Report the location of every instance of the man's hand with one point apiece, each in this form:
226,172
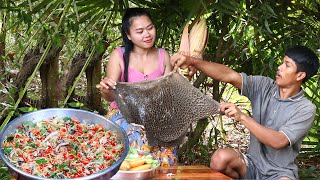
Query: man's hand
232,111
180,61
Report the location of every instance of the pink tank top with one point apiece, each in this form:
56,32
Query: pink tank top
137,76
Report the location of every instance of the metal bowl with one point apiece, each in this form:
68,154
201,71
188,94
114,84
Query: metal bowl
135,175
81,115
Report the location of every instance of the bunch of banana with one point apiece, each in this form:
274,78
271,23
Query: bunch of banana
193,43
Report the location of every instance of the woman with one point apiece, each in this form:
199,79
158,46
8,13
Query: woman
137,61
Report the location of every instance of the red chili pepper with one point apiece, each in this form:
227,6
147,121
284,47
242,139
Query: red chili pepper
84,161
79,129
107,157
94,128
113,143
71,156
63,130
28,171
48,151
65,155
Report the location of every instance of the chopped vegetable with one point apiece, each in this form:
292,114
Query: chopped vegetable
137,162
137,159
140,168
125,165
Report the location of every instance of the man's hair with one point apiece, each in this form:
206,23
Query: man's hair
305,59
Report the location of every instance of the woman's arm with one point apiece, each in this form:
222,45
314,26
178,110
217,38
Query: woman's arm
113,75
167,65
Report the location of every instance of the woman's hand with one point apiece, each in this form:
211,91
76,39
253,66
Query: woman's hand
108,83
105,87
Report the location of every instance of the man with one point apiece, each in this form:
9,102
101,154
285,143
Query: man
282,116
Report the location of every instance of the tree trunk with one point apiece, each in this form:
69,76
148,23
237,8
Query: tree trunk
93,74
2,49
193,137
75,69
49,74
30,61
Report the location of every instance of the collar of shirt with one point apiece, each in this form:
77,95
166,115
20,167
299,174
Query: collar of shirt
293,98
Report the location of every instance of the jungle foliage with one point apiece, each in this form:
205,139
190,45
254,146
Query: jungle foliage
54,52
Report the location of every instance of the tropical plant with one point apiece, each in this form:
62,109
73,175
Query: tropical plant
53,52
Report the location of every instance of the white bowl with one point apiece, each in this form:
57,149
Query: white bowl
137,175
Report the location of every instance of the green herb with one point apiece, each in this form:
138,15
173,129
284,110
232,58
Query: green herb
17,144
74,152
43,131
53,175
66,119
112,161
28,124
62,166
74,146
7,150
10,138
32,144
20,131
41,161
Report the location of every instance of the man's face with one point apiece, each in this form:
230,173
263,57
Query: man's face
287,74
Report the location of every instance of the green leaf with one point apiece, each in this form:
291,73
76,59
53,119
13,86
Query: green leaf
62,166
10,138
32,144
41,161
270,10
7,150
28,124
74,146
27,109
76,104
266,24
40,6
66,119
56,41
43,131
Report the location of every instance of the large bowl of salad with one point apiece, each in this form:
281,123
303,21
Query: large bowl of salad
63,143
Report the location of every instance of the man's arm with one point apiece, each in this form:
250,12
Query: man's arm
220,72
216,71
267,136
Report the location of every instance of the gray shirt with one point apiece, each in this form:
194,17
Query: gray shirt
293,116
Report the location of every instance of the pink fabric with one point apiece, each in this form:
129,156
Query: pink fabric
137,76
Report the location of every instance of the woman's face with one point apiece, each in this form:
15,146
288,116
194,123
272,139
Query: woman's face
142,32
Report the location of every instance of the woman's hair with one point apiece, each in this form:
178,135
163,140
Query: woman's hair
305,59
126,23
